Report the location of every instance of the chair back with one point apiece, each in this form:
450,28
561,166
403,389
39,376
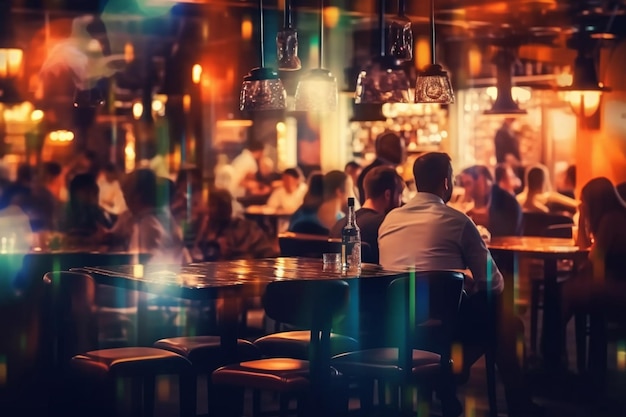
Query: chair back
424,310
307,245
73,321
547,225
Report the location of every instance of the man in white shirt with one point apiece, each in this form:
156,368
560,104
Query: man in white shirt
442,238
245,167
288,197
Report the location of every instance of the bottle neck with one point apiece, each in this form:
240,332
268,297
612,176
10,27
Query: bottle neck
351,216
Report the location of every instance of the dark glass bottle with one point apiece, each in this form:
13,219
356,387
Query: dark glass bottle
351,241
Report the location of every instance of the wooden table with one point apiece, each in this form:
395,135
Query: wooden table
268,218
550,250
229,281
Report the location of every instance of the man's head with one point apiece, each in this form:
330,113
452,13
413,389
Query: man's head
51,173
506,178
391,147
140,190
291,179
353,170
220,207
335,185
477,182
433,174
84,190
256,148
383,186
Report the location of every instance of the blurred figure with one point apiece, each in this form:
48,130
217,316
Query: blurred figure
5,178
289,196
390,150
538,195
46,195
267,177
494,208
353,171
15,228
506,178
84,222
507,144
148,227
245,168
187,206
223,237
383,193
23,183
568,187
111,198
321,207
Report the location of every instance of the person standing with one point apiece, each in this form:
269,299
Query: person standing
507,144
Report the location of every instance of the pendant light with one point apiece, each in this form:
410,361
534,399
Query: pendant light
384,80
400,35
261,88
432,84
287,43
504,103
585,92
317,89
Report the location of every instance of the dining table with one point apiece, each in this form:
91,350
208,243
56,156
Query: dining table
233,281
269,218
550,251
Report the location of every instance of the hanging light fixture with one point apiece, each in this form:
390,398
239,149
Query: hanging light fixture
432,84
384,80
317,89
400,35
585,92
261,88
287,43
504,103
10,59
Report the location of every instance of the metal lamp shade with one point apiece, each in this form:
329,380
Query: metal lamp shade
433,86
317,91
262,90
382,82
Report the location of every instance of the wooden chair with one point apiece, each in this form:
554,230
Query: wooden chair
424,308
307,303
72,294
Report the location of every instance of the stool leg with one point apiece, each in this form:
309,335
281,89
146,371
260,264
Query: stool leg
535,295
187,394
284,405
580,326
148,396
256,403
136,396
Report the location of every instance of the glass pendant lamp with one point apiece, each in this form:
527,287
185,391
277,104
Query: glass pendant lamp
262,89
432,84
317,89
584,94
287,43
384,80
504,103
400,35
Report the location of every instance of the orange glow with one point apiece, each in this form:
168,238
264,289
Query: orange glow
621,357
332,15
186,102
475,60
3,370
129,52
163,388
10,62
457,358
275,364
246,29
587,101
422,52
196,73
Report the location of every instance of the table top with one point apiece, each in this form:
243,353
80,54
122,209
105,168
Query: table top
536,245
257,210
210,279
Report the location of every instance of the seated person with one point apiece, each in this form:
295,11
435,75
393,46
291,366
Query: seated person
383,192
322,204
538,195
289,196
222,237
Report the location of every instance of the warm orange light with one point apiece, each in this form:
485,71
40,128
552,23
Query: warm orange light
332,15
61,136
137,110
196,73
129,52
246,28
585,102
186,102
10,62
475,60
422,52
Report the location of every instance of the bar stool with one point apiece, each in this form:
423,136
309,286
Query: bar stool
306,303
74,319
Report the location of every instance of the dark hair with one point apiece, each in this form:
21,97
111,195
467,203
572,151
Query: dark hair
570,174
353,165
222,201
500,172
51,170
255,145
24,173
315,192
186,175
600,197
142,183
389,146
536,179
380,179
82,184
476,171
110,167
334,180
430,170
293,172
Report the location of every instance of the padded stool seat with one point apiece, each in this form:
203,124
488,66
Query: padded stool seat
383,362
130,361
204,351
273,374
295,344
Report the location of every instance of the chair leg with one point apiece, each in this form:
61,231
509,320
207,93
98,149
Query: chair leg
425,400
366,393
256,403
187,386
284,405
490,365
148,396
535,295
580,326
